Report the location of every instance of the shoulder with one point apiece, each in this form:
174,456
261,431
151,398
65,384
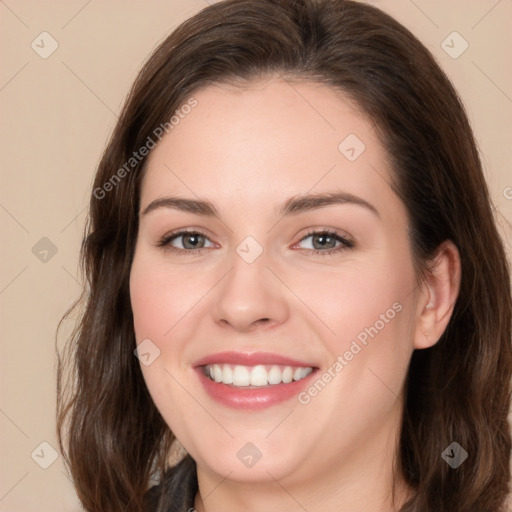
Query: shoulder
176,491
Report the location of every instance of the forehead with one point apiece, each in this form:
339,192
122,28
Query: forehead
270,138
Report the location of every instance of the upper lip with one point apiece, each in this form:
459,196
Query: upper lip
251,359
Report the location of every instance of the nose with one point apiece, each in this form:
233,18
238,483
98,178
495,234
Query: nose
250,297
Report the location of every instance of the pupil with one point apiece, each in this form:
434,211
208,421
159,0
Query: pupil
323,240
189,240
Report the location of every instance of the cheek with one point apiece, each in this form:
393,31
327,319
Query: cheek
369,310
364,303
149,304
157,307
160,299
359,299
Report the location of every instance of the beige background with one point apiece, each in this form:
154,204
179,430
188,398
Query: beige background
56,115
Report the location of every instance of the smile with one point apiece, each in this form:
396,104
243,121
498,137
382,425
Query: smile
255,376
253,381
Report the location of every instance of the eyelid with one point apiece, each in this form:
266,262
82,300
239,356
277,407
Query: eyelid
165,241
346,241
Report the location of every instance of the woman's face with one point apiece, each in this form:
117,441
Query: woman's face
295,287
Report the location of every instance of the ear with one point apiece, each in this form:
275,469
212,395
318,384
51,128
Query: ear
437,297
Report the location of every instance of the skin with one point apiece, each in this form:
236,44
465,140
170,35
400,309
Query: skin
247,151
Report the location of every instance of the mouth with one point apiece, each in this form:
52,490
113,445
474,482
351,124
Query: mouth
253,381
250,377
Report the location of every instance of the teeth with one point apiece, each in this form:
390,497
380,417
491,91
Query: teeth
227,374
241,376
217,373
255,376
287,375
274,375
297,374
259,376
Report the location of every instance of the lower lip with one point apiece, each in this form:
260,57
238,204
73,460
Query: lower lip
254,398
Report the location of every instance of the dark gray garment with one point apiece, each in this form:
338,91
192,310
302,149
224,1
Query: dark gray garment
176,491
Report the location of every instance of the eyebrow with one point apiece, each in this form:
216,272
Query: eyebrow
292,206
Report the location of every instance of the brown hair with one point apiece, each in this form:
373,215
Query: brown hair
458,390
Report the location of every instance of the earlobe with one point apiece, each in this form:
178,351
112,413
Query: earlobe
437,298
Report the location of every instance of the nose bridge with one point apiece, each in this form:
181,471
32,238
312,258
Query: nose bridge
250,293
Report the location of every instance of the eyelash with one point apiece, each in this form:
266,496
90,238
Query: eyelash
165,241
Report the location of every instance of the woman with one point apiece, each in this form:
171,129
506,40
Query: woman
294,278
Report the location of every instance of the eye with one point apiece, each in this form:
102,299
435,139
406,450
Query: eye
326,242
320,242
185,241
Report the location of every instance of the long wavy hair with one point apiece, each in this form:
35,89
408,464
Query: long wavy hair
110,431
